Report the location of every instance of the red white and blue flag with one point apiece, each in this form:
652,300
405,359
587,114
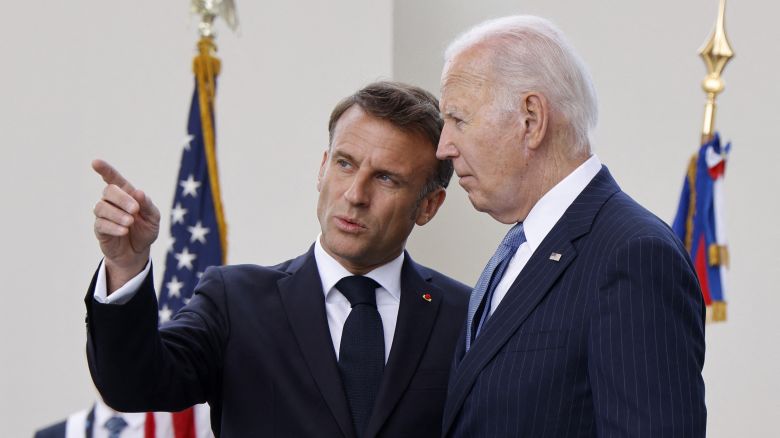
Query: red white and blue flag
700,223
197,226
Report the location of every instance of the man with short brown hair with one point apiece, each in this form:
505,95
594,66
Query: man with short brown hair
351,339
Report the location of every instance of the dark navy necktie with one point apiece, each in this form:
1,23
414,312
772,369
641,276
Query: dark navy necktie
115,425
362,351
481,296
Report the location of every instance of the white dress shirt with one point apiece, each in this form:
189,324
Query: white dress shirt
542,218
76,425
337,307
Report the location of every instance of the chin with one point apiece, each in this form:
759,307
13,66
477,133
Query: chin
342,247
477,203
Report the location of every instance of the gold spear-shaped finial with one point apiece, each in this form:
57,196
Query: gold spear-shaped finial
716,53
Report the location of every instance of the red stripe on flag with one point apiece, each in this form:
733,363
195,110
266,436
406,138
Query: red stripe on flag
149,427
700,262
184,423
717,170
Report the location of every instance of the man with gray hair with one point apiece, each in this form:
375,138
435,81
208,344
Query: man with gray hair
588,320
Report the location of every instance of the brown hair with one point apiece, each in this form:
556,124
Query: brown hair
410,109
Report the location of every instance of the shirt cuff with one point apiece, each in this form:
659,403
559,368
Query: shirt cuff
124,293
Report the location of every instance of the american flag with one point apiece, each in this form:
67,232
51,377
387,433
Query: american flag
198,230
195,242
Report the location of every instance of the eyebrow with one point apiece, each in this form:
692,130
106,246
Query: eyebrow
453,111
341,154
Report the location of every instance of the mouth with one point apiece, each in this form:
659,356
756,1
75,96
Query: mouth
464,179
461,174
349,225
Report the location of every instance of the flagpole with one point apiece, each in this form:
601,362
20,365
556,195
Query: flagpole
716,53
206,67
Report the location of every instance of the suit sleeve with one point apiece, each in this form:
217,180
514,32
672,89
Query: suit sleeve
137,366
646,343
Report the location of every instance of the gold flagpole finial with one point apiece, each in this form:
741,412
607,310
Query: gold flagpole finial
209,10
716,53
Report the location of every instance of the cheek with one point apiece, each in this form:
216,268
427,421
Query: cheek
321,209
404,217
324,201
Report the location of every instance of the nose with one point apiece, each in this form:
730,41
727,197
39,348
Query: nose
358,192
446,148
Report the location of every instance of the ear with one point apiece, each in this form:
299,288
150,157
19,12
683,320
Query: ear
429,205
535,108
323,169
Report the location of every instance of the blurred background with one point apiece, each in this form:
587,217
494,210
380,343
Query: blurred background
114,80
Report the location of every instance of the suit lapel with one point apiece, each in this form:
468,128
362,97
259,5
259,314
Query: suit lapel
529,288
416,317
304,302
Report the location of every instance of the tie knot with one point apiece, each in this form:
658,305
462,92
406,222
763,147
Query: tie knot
515,237
358,290
115,425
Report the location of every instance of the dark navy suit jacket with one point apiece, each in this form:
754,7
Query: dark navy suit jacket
54,431
606,342
254,343
60,430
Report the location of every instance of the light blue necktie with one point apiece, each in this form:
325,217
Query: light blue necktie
115,425
491,276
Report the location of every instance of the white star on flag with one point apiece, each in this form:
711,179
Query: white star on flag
170,244
190,186
198,232
174,287
187,141
185,258
165,314
177,214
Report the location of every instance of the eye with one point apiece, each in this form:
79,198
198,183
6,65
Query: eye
385,178
459,123
342,163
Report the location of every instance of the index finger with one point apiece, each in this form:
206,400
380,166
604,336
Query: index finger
111,175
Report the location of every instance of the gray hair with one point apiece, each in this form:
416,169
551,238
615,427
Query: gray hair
531,54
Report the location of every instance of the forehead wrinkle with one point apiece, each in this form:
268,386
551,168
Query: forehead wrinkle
381,155
464,78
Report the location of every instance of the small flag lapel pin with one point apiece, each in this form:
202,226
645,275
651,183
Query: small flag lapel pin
427,297
555,257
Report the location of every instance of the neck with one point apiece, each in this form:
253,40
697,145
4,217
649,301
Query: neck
548,167
359,265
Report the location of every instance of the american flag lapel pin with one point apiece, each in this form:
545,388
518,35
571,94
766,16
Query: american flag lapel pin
555,257
427,297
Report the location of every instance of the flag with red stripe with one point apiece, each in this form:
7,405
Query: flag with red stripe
197,224
700,222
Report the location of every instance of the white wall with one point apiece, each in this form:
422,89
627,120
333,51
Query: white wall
112,79
643,59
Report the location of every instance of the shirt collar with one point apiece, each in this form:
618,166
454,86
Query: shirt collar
550,208
103,413
388,275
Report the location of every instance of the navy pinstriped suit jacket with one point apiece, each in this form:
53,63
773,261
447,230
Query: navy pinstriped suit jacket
606,342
